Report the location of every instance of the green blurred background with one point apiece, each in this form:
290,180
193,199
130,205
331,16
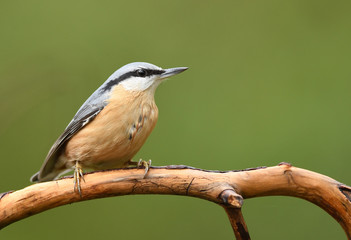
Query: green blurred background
269,81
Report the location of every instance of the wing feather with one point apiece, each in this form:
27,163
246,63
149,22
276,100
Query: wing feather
75,125
85,115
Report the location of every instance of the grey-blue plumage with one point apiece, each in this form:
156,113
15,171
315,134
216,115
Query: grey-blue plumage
140,72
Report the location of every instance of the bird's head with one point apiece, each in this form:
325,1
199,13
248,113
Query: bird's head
140,76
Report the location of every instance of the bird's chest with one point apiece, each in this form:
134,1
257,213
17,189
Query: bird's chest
128,130
117,133
136,125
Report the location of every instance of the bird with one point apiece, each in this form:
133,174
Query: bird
110,127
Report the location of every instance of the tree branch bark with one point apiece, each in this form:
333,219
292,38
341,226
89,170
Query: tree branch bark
226,188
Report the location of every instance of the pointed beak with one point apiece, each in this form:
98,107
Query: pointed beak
172,71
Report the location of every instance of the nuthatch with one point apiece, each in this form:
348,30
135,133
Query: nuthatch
111,126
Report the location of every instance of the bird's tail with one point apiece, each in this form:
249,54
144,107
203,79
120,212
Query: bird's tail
35,177
53,175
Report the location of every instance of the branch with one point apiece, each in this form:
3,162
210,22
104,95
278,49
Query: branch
227,189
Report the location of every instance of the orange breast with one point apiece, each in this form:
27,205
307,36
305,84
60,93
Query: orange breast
117,133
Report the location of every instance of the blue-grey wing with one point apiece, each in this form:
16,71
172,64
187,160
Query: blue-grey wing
88,111
73,127
46,172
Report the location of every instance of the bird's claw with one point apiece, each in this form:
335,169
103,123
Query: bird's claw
145,164
78,176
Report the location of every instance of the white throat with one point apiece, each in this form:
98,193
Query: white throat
140,84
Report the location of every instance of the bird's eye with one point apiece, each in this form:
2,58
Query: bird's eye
141,72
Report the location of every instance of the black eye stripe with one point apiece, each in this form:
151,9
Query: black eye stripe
149,72
141,72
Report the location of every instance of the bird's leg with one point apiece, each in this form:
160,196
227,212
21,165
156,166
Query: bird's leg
78,175
141,163
145,164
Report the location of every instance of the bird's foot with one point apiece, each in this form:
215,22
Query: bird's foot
78,176
141,163
145,164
